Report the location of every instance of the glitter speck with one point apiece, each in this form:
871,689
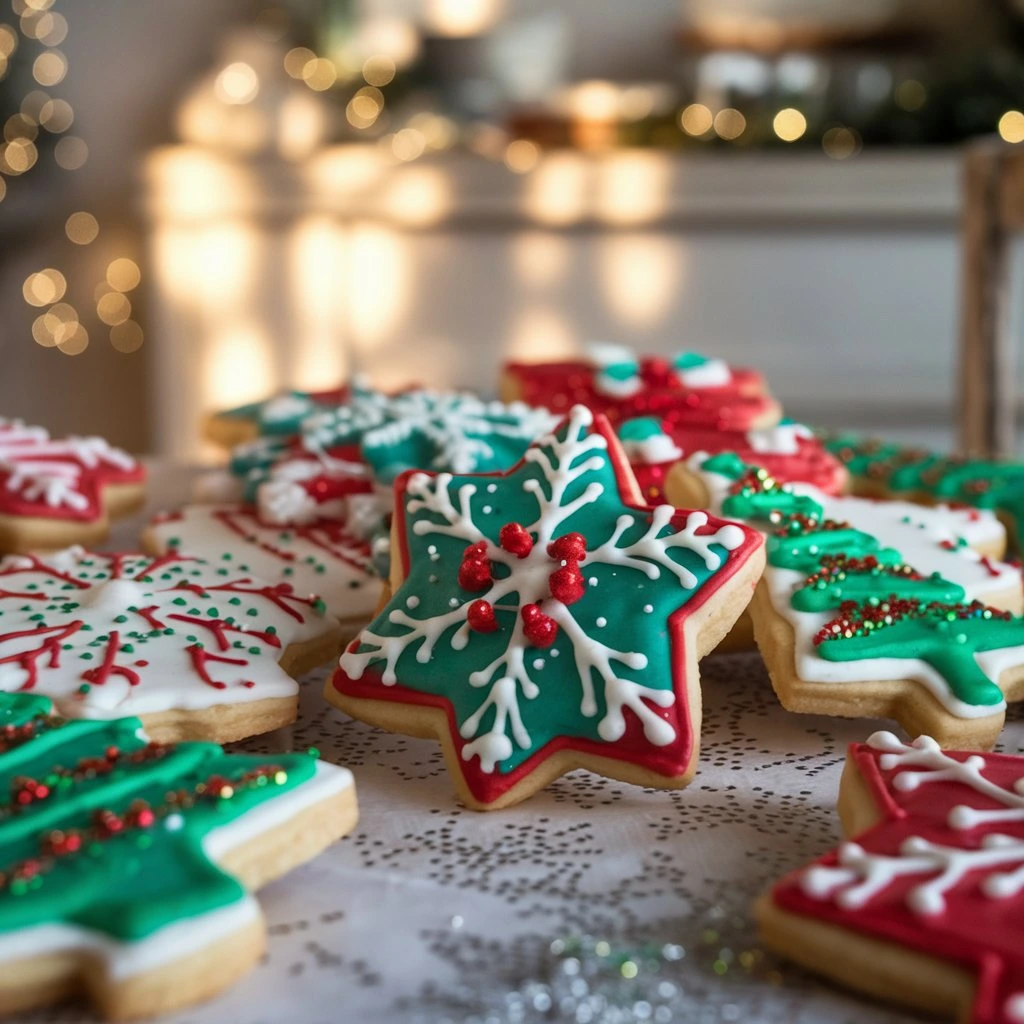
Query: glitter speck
412,601
601,622
648,608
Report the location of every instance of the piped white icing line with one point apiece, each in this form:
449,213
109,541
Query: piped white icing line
917,532
714,373
285,407
121,959
154,667
562,463
313,559
782,439
283,503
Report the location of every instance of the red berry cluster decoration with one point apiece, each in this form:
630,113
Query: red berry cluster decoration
540,629
567,583
475,570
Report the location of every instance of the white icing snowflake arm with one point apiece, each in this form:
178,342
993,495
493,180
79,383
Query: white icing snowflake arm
933,765
650,553
861,876
430,494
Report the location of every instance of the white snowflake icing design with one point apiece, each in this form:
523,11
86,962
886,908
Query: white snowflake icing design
524,580
861,875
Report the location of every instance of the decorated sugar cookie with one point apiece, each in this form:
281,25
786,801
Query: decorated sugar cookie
278,416
199,650
687,390
54,492
788,450
126,866
327,557
417,429
923,904
545,620
877,608
877,467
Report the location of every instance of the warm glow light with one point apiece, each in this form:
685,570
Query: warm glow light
76,342
81,228
462,17
33,103
408,144
56,115
320,74
44,287
540,333
113,308
729,124
71,152
439,132
301,126
378,280
378,70
639,274
345,170
556,191
237,368
238,83
126,337
190,184
840,143
295,60
123,274
8,40
315,266
364,108
49,68
539,259
789,124
3,189
632,187
911,95
419,196
36,5
18,156
594,101
1011,126
18,126
388,36
696,119
42,330
52,29
522,155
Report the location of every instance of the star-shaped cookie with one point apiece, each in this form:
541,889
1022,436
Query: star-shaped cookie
546,619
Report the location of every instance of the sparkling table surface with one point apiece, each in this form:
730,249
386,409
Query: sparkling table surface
595,901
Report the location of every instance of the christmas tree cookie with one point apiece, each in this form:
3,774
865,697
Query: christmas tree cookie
923,904
278,416
686,390
55,492
546,619
877,608
879,468
127,866
788,450
198,650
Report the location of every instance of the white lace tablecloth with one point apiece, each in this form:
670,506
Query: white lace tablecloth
430,912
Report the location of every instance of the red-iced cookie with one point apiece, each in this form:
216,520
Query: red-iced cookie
924,905
788,451
55,492
688,390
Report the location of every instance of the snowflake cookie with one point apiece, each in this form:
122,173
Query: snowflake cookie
199,650
688,390
876,608
55,492
278,416
788,450
326,557
924,904
545,620
126,866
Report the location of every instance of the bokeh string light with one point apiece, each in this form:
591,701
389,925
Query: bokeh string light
39,120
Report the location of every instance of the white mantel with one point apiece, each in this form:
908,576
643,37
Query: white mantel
839,279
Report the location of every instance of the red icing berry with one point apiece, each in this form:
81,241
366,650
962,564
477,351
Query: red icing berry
481,617
567,584
540,629
475,552
570,547
475,575
516,539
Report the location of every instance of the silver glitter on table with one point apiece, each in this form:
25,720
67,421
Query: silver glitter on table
593,902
